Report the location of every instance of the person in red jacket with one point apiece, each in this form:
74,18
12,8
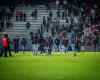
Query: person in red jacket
5,45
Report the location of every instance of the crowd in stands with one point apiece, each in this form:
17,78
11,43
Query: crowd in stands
5,18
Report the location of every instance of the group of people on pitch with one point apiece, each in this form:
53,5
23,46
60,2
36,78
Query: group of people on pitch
44,44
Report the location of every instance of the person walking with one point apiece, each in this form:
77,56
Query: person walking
35,45
57,43
5,45
23,44
16,44
65,43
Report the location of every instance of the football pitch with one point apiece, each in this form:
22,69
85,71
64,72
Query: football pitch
85,66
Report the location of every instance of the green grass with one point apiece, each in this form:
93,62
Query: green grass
53,67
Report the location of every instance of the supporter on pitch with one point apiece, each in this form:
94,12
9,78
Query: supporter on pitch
50,45
5,45
9,42
16,44
94,44
77,46
41,42
35,44
82,46
46,45
73,42
23,44
57,43
65,43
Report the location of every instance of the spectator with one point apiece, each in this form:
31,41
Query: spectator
24,15
35,44
2,25
32,14
28,25
17,15
44,22
58,14
57,4
53,31
47,27
35,14
21,15
9,24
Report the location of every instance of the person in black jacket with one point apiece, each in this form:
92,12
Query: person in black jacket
50,45
16,44
24,16
57,43
35,14
77,46
41,42
44,22
28,25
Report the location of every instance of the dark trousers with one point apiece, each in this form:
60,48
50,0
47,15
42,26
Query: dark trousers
57,48
42,49
94,49
16,49
5,51
50,50
9,50
1,53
